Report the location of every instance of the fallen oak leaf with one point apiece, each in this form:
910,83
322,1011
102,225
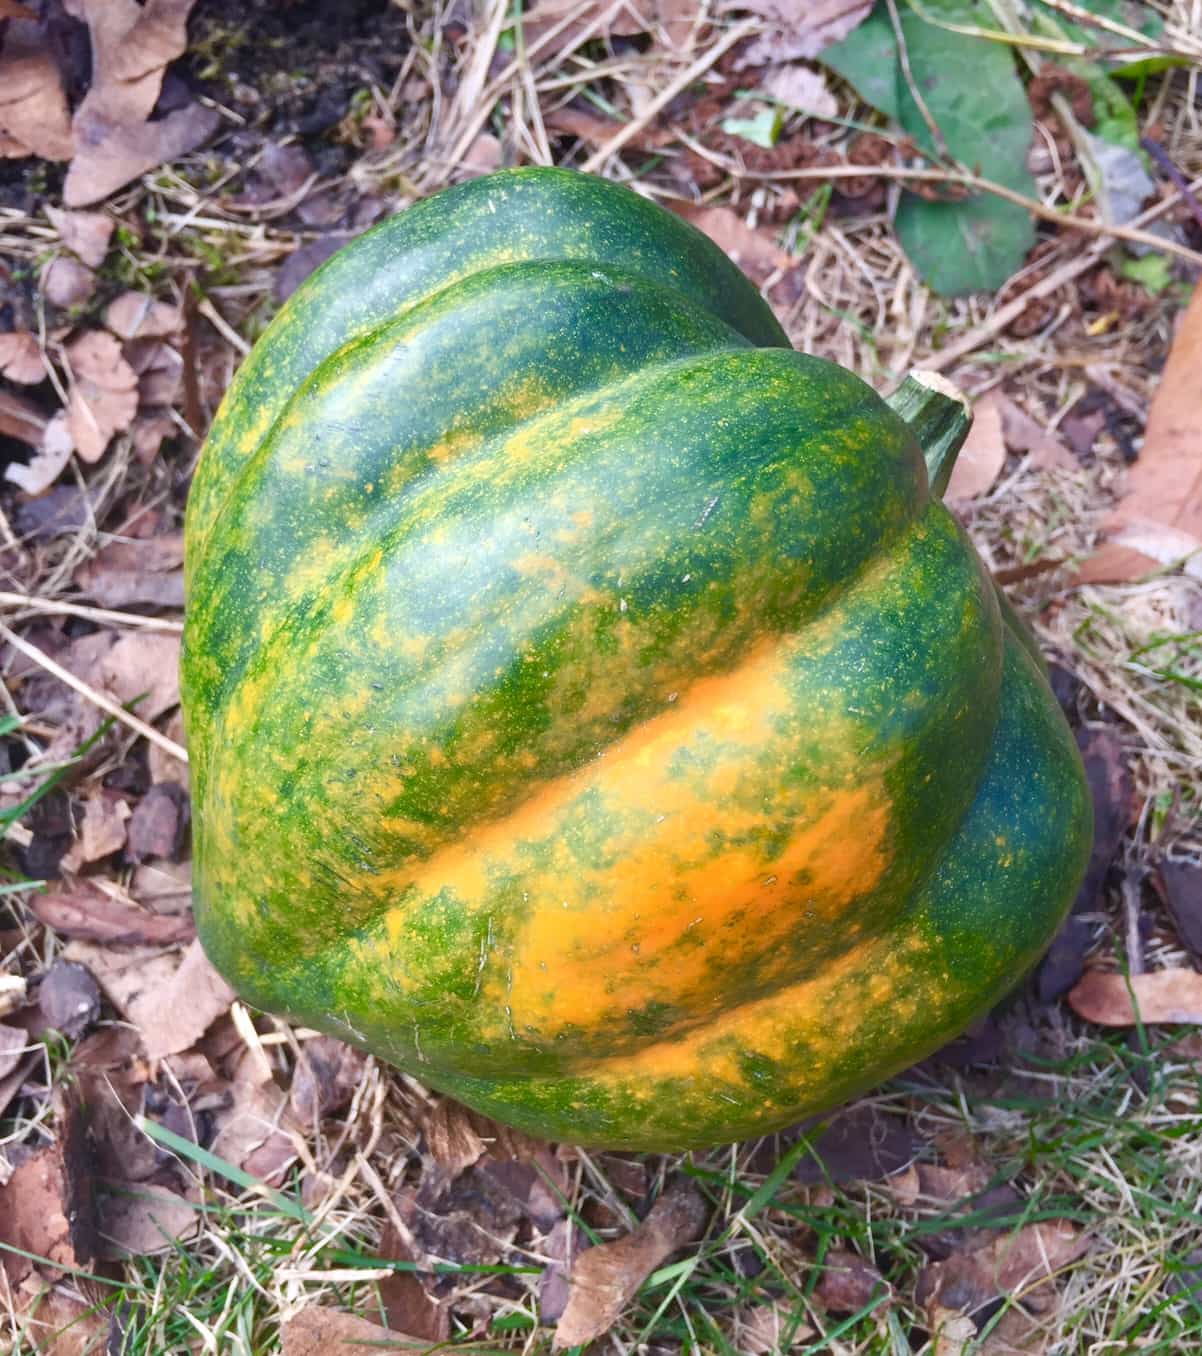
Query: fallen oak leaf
145,571
1105,997
133,1221
606,1277
101,832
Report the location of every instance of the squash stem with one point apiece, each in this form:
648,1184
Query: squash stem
940,417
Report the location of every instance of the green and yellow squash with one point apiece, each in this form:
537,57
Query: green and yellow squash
593,711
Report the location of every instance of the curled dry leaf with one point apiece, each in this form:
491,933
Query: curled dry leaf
327,1074
1024,434
33,106
133,315
606,1277
1158,521
50,460
21,358
94,915
104,393
159,823
66,282
983,455
452,1141
1161,995
86,234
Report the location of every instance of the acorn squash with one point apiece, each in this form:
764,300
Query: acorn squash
593,710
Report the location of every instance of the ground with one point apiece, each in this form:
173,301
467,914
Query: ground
181,1173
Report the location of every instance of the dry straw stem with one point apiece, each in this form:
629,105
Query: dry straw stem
667,94
96,614
98,699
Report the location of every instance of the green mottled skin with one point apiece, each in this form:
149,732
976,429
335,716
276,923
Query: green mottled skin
537,595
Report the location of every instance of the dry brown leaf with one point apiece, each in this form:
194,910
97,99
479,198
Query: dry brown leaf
326,1332
164,766
1024,434
1022,1264
133,315
407,1305
94,915
149,987
66,282
606,1277
86,234
142,665
327,1074
800,87
848,1281
1161,995
157,36
983,455
33,107
582,17
762,1329
102,831
175,1015
13,9
145,571
1158,521
111,156
757,254
798,28
21,419
134,1220
452,1141
21,358
104,393
253,1131
148,431
50,460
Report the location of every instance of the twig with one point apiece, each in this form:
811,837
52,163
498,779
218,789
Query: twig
667,94
1132,881
106,704
98,614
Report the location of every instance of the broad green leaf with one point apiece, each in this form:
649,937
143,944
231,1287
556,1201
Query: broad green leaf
965,246
1153,271
867,60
